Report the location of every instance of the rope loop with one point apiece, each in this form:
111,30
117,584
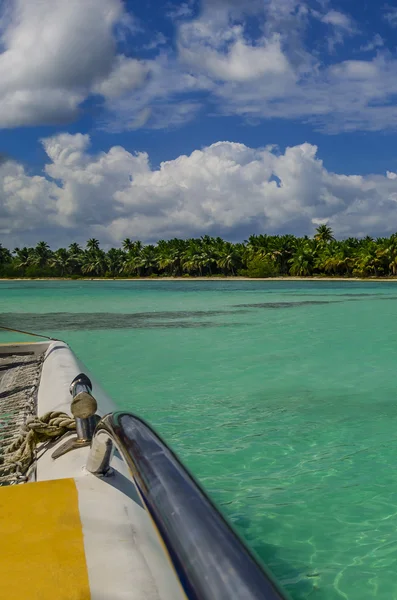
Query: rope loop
19,456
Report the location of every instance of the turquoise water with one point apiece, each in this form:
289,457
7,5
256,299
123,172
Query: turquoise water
281,397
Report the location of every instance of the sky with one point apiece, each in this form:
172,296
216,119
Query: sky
161,119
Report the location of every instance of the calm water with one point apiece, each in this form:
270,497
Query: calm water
280,396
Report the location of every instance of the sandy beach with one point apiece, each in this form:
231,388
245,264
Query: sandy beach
236,278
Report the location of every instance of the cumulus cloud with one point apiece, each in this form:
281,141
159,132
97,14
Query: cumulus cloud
26,203
55,53
203,46
272,75
275,76
346,96
225,189
127,75
163,101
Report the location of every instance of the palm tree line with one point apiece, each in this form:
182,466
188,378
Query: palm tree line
259,256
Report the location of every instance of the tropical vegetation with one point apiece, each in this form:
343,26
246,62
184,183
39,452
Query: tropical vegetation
259,256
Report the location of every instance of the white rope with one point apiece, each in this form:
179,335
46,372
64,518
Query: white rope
20,454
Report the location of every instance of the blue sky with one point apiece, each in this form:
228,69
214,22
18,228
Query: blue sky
154,119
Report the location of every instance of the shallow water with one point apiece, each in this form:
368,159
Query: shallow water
280,397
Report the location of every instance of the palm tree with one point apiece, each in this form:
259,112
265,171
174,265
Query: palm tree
148,259
303,261
94,263
131,263
324,234
257,245
5,256
61,260
92,245
207,255
75,249
229,258
75,258
168,257
387,253
114,259
368,261
191,258
127,245
23,258
41,254
335,259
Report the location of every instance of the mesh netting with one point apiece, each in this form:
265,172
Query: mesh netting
19,381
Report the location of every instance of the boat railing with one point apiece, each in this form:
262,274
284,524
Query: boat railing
211,561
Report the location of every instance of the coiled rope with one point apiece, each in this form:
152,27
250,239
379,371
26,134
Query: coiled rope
20,455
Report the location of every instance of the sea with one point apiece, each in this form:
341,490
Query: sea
279,396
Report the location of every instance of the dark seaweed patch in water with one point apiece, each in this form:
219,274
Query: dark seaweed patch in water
331,293
184,314
359,295
366,296
91,321
285,304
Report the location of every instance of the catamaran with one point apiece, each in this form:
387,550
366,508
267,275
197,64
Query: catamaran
94,504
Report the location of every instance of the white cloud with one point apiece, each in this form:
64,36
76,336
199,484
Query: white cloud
182,10
216,45
290,19
127,75
342,26
391,16
202,46
376,42
227,189
161,103
158,40
54,53
273,76
338,19
345,96
26,203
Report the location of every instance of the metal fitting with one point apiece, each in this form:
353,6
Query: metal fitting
83,407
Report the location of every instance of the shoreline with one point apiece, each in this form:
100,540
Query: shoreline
235,278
